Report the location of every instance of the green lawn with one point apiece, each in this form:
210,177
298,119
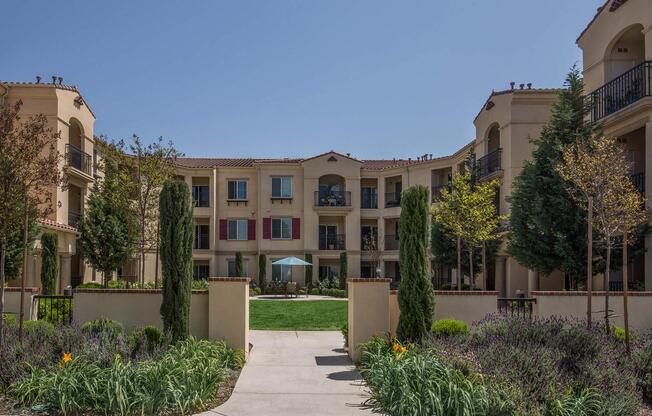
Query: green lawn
308,315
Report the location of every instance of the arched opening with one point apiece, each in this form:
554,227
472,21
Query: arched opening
332,191
75,134
625,52
493,138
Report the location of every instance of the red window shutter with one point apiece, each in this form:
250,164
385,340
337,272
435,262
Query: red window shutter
251,230
296,228
223,229
267,228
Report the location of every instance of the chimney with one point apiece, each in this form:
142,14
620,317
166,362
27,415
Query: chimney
512,84
529,85
38,79
54,79
348,155
522,86
60,80
430,156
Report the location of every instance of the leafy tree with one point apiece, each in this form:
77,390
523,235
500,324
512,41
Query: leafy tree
548,226
50,262
238,264
262,272
308,271
14,250
372,251
599,171
344,269
415,297
29,172
109,226
177,233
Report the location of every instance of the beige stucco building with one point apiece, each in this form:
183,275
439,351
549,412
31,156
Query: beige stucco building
327,204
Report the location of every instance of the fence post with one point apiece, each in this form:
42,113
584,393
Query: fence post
228,311
368,311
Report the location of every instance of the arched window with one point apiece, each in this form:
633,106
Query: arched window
75,134
493,138
625,52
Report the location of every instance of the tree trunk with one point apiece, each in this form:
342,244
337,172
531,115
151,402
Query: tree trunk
589,263
21,313
459,264
3,256
606,286
158,247
625,289
484,265
471,276
142,252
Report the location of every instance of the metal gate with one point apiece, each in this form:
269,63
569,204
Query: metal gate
56,309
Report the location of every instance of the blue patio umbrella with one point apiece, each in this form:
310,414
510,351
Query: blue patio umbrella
291,261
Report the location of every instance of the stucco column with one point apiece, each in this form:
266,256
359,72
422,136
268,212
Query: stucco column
648,202
367,295
228,311
65,270
500,276
532,281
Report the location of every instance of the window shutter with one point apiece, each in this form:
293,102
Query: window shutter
296,228
223,229
251,230
267,228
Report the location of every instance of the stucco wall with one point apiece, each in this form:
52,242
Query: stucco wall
368,313
12,301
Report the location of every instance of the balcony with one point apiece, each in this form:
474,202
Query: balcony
435,192
369,200
77,159
622,91
73,218
332,242
332,198
490,163
392,199
638,179
391,242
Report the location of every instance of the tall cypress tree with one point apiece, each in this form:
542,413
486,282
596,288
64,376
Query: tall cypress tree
50,263
262,272
344,269
239,269
415,297
177,234
308,271
548,228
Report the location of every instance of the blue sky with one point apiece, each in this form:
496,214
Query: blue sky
268,78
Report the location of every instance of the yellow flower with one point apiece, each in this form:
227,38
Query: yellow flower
395,347
403,350
66,357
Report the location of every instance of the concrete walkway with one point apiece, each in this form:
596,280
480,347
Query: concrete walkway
296,373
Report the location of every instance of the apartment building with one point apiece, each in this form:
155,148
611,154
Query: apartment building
69,114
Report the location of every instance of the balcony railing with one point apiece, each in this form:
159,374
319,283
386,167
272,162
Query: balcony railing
622,91
73,218
79,160
332,198
392,199
436,191
638,179
490,163
332,242
391,242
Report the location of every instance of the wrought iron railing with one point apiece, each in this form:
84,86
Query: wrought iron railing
54,309
332,242
392,199
332,198
622,91
616,286
638,179
520,306
79,160
490,163
73,218
391,242
436,191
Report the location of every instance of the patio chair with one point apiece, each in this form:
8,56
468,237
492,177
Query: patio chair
291,289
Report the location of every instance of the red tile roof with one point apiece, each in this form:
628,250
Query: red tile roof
56,225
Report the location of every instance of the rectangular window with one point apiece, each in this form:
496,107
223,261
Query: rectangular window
231,268
282,228
238,190
282,187
237,230
281,273
202,233
200,195
200,271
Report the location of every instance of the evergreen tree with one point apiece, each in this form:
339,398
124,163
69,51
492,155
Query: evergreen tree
108,228
415,298
308,271
344,269
238,264
14,251
177,233
548,227
262,272
50,263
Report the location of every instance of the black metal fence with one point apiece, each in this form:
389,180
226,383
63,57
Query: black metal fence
490,163
519,307
332,242
78,159
332,198
56,309
622,91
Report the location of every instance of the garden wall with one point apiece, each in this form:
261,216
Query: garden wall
12,301
573,304
467,306
136,307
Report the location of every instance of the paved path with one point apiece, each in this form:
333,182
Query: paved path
296,373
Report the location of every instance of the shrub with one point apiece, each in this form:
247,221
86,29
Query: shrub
200,284
643,362
104,326
315,291
90,285
38,327
619,333
335,293
9,319
116,284
449,327
50,262
146,339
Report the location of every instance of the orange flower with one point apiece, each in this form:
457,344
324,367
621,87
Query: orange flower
403,350
66,357
395,347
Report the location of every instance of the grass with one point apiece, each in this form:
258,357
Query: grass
308,315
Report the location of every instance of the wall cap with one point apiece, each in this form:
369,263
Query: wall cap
459,292
367,280
133,291
17,289
229,279
583,293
